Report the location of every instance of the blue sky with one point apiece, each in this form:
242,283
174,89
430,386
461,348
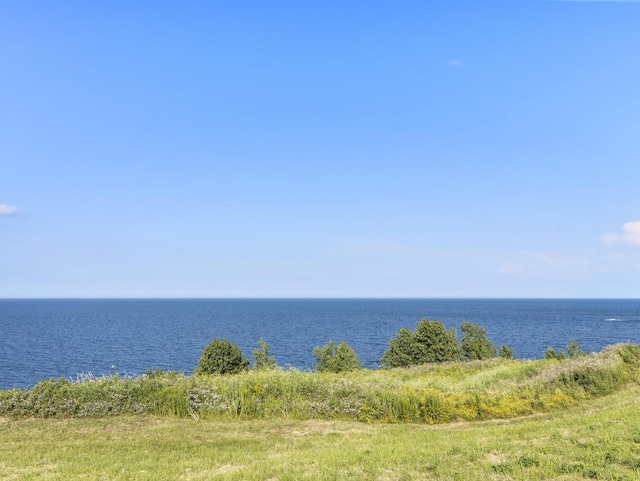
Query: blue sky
320,149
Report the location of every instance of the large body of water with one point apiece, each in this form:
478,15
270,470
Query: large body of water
41,339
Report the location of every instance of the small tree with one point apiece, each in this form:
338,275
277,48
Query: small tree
334,357
261,358
551,353
222,357
574,350
475,344
506,352
403,350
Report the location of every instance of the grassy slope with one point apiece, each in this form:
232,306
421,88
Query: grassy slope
598,439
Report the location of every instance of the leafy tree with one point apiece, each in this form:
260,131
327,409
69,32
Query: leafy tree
574,350
435,343
431,342
261,358
475,344
551,353
334,357
403,350
506,352
222,357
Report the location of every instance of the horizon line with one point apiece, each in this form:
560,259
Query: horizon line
285,298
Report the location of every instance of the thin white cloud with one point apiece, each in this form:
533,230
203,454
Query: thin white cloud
543,265
630,235
454,62
617,262
8,210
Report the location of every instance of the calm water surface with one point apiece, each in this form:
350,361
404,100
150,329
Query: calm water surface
40,339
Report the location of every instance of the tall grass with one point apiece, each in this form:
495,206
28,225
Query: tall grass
496,388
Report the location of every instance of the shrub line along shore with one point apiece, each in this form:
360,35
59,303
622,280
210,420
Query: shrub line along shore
431,393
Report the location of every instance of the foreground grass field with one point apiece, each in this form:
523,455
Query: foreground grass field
495,419
598,439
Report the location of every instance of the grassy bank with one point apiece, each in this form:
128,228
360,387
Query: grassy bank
597,439
436,393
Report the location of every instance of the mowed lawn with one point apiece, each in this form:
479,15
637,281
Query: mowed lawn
598,439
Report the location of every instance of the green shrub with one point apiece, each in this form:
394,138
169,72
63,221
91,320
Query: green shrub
475,344
574,350
431,342
435,343
506,352
261,358
630,353
403,350
334,357
222,357
551,353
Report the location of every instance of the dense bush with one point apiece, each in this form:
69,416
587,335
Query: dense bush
402,351
222,357
435,343
261,358
475,344
334,357
431,342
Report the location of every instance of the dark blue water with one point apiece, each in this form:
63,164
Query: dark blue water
40,339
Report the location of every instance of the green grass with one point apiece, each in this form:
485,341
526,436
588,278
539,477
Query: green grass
582,422
597,439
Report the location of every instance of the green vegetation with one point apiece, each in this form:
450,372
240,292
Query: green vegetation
475,344
334,357
551,353
222,357
431,342
431,393
358,424
261,358
598,439
402,350
573,351
506,352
